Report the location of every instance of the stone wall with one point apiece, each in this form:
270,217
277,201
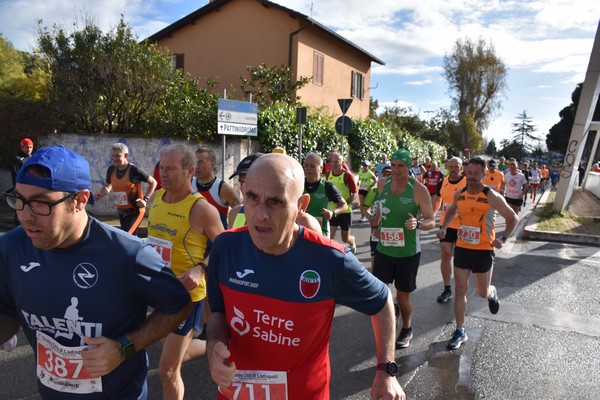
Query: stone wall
144,152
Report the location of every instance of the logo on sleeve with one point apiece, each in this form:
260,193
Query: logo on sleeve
310,282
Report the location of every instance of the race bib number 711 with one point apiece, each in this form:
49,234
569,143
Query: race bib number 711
257,385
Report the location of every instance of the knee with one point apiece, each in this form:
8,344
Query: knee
446,254
460,288
168,372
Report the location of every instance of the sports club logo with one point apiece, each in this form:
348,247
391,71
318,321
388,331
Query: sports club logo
310,282
238,323
85,275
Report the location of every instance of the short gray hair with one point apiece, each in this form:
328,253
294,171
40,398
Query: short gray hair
188,157
315,155
122,147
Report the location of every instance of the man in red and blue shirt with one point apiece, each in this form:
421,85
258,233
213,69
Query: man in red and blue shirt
272,282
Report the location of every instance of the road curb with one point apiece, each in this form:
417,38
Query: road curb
530,231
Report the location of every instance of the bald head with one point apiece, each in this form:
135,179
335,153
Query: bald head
284,169
273,200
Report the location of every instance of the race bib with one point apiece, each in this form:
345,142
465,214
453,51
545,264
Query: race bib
61,368
469,234
163,247
257,385
120,198
393,237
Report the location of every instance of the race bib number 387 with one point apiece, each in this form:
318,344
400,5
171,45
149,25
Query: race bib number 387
61,368
257,385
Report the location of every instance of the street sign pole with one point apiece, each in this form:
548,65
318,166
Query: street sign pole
344,122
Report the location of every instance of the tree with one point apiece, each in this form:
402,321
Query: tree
269,85
373,106
102,82
523,133
511,149
476,78
398,118
491,150
23,98
21,74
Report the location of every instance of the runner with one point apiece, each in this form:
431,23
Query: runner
125,180
346,184
179,225
475,208
366,181
443,199
494,178
515,187
273,287
402,200
535,181
322,193
219,193
432,178
80,289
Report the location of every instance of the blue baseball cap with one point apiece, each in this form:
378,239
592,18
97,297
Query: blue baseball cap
69,171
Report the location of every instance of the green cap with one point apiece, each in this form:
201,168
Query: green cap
402,155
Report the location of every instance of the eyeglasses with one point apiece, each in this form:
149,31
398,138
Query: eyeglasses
38,207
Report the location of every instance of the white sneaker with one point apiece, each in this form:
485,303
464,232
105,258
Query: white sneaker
10,344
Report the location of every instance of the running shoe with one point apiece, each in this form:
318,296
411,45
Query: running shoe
404,338
363,219
445,296
493,302
353,248
457,339
10,344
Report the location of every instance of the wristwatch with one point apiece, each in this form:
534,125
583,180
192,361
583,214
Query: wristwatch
127,347
203,265
333,214
146,198
503,239
391,368
418,224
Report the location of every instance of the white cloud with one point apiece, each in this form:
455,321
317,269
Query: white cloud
419,83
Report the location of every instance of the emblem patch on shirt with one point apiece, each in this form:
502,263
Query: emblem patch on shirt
310,282
85,275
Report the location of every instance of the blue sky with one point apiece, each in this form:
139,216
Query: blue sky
545,44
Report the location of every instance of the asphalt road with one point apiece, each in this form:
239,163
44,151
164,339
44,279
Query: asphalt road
543,344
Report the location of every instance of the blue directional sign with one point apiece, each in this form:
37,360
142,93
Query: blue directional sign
237,117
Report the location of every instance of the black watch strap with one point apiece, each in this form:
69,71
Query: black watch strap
127,347
391,368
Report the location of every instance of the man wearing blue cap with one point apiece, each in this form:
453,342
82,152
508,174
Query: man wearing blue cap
402,202
79,288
